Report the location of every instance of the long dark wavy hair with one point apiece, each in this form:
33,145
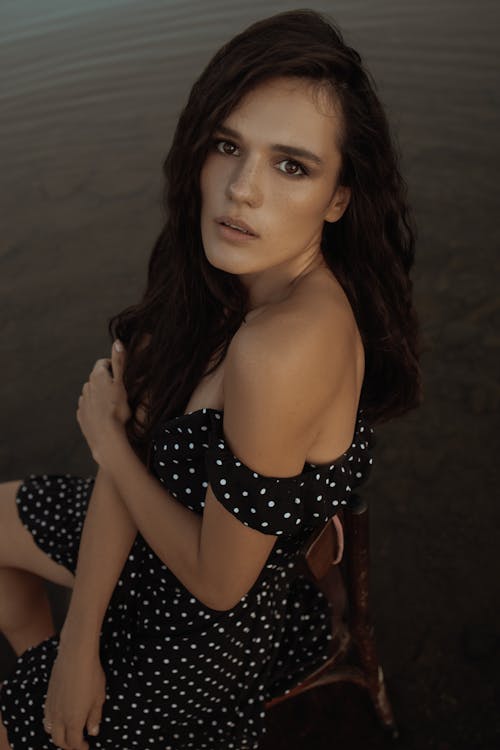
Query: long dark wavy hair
190,310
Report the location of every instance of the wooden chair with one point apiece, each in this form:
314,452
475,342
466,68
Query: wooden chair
336,560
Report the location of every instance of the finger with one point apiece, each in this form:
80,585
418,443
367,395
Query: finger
47,725
58,735
100,362
103,364
117,361
75,739
94,720
47,719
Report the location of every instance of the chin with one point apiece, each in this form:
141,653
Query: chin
219,259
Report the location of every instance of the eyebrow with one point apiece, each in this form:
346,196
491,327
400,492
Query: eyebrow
279,147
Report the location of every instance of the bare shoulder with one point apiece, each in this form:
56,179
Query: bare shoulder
314,328
282,373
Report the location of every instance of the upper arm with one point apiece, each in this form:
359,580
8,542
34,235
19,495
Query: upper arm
275,389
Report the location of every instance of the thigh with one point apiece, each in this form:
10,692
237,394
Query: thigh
18,548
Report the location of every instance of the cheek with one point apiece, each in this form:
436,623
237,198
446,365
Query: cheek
300,209
206,180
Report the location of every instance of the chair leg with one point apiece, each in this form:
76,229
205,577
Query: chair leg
328,671
363,637
360,625
346,587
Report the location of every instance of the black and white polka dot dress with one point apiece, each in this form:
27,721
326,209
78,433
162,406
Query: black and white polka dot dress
179,675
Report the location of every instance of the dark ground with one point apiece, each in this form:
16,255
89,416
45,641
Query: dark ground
79,193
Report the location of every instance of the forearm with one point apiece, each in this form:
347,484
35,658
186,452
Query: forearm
107,537
172,531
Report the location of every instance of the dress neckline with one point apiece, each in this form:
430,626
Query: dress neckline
326,464
202,408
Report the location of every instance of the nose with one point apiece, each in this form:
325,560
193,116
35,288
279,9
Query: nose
243,184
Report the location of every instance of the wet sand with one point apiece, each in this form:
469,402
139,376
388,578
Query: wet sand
89,98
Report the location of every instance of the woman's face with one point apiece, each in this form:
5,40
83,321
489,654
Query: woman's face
282,195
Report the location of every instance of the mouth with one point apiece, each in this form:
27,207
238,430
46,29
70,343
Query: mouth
237,224
234,236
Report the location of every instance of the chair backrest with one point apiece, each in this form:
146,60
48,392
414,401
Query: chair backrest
325,547
343,579
344,544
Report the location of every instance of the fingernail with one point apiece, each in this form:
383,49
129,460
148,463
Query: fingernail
118,345
94,730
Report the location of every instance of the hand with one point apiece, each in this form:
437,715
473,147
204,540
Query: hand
103,405
75,695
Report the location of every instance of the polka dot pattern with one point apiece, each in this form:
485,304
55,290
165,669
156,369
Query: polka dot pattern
179,675
273,505
281,505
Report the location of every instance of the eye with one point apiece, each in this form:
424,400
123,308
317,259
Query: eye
297,164
228,148
216,145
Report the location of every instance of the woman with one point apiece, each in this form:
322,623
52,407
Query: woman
235,421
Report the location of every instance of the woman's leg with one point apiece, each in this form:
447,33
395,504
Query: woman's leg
25,613
4,741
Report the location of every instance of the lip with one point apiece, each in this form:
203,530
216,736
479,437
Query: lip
237,222
234,235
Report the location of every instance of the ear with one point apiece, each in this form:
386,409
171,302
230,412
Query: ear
339,203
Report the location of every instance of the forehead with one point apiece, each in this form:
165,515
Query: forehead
289,110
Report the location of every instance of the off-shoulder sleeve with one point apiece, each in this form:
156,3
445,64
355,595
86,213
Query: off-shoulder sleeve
283,505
